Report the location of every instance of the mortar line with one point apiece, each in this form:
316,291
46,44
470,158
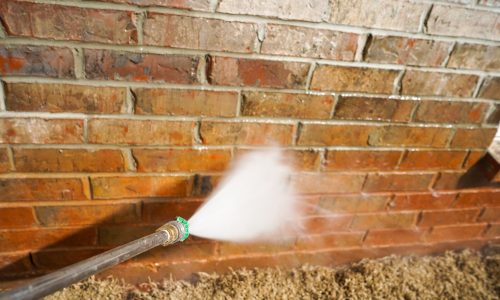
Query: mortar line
3,106
130,101
201,70
448,55
91,188
197,138
322,160
402,156
310,73
479,85
129,159
261,35
414,110
362,46
398,83
10,158
296,133
422,26
239,103
79,63
336,99
213,5
138,19
489,112
85,130
466,157
3,32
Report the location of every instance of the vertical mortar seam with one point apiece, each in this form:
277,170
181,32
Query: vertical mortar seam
130,101
239,101
3,106
130,160
10,157
397,84
197,139
213,5
450,138
449,54
478,87
414,109
362,44
202,69
491,109
297,132
79,63
85,130
424,18
139,25
312,68
336,98
261,35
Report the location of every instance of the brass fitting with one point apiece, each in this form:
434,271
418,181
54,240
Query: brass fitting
176,231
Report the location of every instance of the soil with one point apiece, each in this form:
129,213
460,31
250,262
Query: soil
462,275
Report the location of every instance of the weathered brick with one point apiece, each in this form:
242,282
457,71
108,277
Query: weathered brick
41,131
308,42
448,217
327,183
203,185
145,132
185,253
475,56
14,263
68,160
493,231
36,61
473,137
455,233
494,116
353,79
4,161
181,160
441,84
50,259
386,237
17,217
161,211
43,189
309,10
351,204
67,23
473,157
143,186
367,108
361,160
286,105
490,88
385,14
256,72
64,98
490,214
407,51
421,201
303,160
384,220
326,225
450,112
201,5
242,133
447,180
334,135
115,235
336,240
247,249
117,65
478,199
425,160
409,136
463,22
397,182
175,102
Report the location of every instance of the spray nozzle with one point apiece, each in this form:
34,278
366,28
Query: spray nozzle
177,231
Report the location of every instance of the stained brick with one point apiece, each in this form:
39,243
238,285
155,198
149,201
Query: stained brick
409,136
17,217
352,204
286,105
490,88
334,135
115,235
493,231
256,72
326,225
336,240
242,133
448,217
421,201
160,211
50,259
201,5
117,213
473,137
441,84
397,182
4,161
473,157
64,98
367,108
386,237
184,253
490,214
455,233
475,56
203,185
494,116
14,263
425,160
478,199
447,180
175,102
384,220
327,183
361,160
43,189
450,112
353,79
41,131
117,65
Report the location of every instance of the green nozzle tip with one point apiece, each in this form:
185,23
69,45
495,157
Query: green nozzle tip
186,227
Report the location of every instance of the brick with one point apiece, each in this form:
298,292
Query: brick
493,231
12,264
490,214
386,14
140,186
462,22
447,180
455,233
286,105
379,109
474,56
421,201
353,79
397,182
64,98
115,235
448,217
361,160
473,157
243,133
36,61
334,135
204,34
352,204
299,160
132,132
117,65
494,116
160,211
56,216
327,183
451,112
308,42
434,137
328,241
184,253
490,88
181,160
30,239
68,160
256,72
478,199
326,225
440,84
4,161
50,259
407,51
203,185
41,131
67,23
425,160
174,102
17,217
228,249
310,10
384,220
200,5
387,237
473,137
43,189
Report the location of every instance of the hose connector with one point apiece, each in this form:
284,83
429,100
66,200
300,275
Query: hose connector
176,231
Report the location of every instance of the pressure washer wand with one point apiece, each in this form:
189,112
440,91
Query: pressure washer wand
170,233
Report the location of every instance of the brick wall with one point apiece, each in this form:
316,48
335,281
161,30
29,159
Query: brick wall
117,115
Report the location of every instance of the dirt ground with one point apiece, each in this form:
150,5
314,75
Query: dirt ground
463,275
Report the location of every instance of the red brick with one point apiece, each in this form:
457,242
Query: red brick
161,211
441,84
50,259
493,231
421,201
447,180
379,109
353,79
494,116
455,233
309,42
326,225
473,137
4,161
228,249
203,185
12,264
397,182
490,214
36,61
68,160
303,160
16,217
281,105
41,131
243,133
256,72
352,204
191,253
435,137
448,217
43,189
67,23
478,199
140,186
29,239
115,235
473,157
407,51
490,88
386,237
474,56
425,160
361,160
179,160
334,135
202,5
384,220
64,98
450,112
327,183
328,241
204,34
116,65
174,102
140,132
